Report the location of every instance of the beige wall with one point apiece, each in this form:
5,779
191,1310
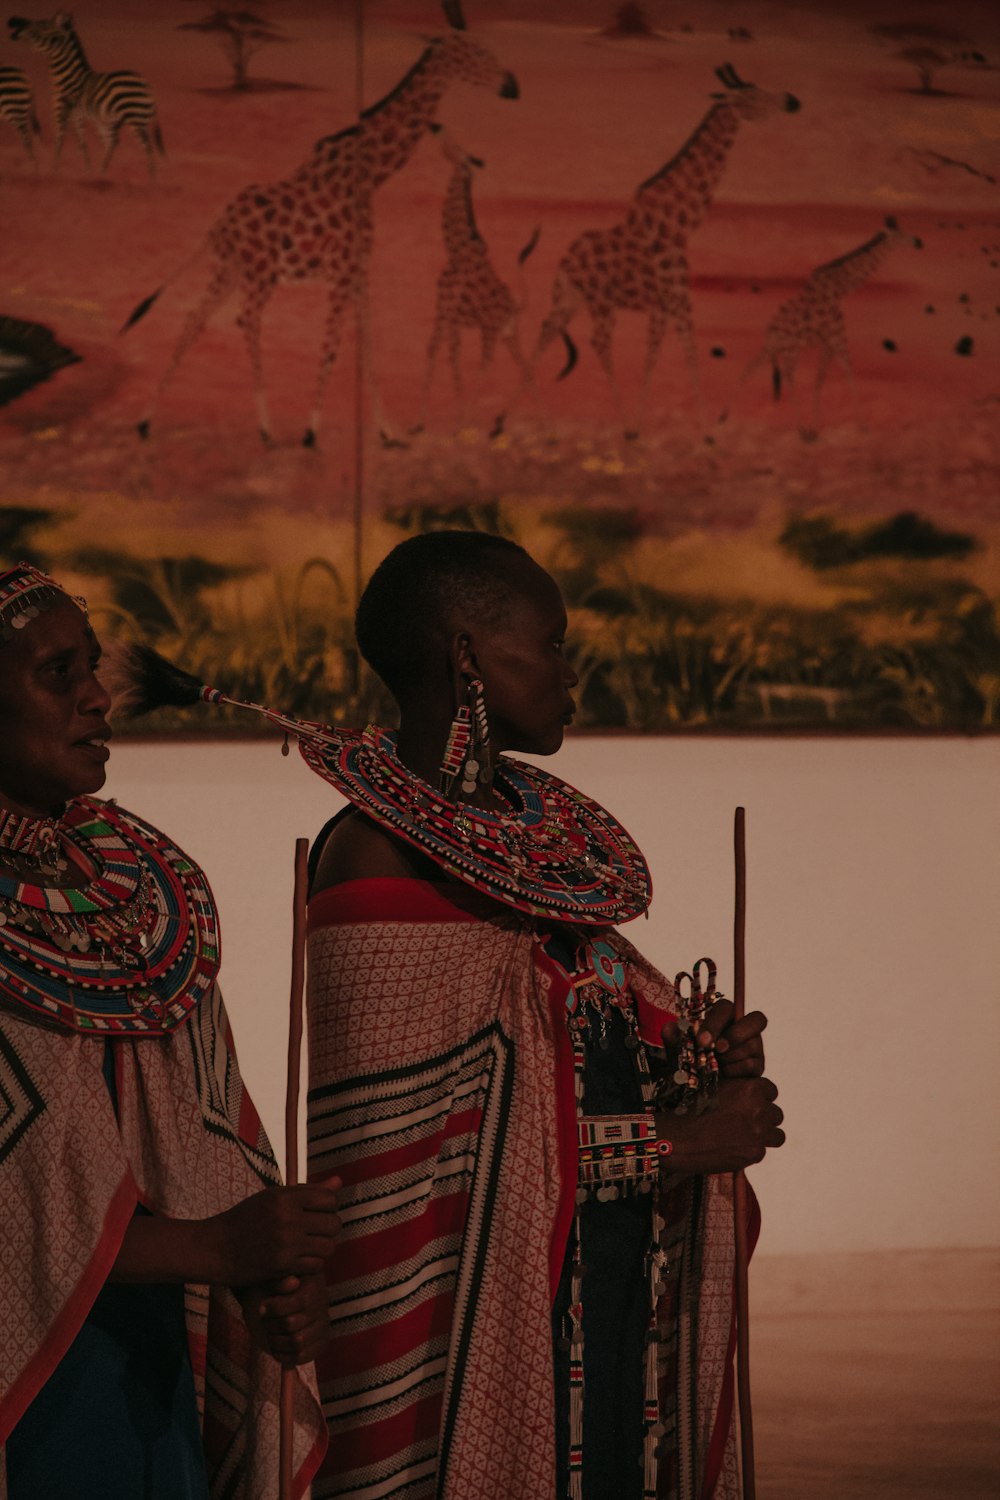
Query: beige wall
873,944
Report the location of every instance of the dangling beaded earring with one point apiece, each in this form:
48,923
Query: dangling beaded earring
467,751
456,747
478,766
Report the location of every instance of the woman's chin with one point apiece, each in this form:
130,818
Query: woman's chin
88,785
548,744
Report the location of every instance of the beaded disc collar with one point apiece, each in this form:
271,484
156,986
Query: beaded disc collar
555,853
129,952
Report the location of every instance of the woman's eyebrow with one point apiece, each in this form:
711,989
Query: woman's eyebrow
56,654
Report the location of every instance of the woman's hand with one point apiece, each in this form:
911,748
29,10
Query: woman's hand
743,1124
278,1233
275,1233
738,1045
288,1319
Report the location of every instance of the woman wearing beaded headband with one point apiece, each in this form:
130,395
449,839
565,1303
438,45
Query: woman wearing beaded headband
510,1093
131,1160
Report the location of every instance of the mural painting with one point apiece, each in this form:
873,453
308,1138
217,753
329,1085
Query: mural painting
700,302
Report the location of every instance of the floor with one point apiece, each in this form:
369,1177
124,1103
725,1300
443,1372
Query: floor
898,1405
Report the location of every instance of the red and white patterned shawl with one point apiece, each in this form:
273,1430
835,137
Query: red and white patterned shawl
187,1143
441,1091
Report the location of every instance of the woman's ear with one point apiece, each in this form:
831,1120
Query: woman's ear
463,659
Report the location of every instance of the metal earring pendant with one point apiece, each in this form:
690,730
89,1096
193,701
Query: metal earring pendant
477,768
481,735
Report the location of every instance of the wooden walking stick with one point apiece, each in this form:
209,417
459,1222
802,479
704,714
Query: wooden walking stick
287,1407
739,1180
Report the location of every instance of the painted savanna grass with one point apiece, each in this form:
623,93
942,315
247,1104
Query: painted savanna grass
888,623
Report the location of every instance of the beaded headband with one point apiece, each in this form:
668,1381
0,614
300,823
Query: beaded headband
25,593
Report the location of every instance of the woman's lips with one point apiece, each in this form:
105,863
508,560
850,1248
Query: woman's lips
95,746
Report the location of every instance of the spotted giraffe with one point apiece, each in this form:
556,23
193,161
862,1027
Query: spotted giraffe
639,264
814,317
108,100
470,293
317,223
17,108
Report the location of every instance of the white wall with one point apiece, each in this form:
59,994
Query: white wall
873,943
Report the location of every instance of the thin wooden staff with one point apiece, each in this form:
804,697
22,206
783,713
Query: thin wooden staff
739,1181
286,1427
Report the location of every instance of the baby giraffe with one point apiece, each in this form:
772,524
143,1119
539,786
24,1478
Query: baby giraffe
814,317
470,293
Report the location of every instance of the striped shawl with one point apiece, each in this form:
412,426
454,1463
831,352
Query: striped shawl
442,1092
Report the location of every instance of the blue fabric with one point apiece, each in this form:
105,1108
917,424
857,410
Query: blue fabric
117,1419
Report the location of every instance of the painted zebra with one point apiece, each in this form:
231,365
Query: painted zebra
109,100
17,108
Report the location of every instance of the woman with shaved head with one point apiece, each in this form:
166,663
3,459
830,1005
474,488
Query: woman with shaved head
535,1131
497,1075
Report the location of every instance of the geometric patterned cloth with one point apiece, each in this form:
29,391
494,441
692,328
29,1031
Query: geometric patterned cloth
441,1091
187,1143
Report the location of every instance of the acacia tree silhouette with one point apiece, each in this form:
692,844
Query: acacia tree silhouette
241,34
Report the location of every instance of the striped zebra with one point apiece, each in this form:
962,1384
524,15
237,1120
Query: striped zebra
108,100
17,108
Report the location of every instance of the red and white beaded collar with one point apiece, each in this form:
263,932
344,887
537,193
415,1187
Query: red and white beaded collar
553,852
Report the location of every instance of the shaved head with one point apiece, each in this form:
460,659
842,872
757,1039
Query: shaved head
426,589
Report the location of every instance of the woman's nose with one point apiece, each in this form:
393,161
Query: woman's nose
95,698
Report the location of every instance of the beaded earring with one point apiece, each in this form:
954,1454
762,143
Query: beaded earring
478,767
456,748
467,750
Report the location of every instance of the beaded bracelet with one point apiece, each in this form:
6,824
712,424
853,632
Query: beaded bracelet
619,1148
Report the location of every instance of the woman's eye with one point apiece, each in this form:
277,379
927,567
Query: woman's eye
57,671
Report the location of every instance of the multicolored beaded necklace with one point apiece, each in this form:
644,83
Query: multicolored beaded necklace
32,843
553,852
131,950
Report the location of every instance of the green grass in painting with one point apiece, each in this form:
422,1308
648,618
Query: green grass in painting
894,634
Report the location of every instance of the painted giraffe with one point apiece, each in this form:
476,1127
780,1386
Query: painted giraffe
470,293
17,108
640,263
814,317
108,100
317,223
